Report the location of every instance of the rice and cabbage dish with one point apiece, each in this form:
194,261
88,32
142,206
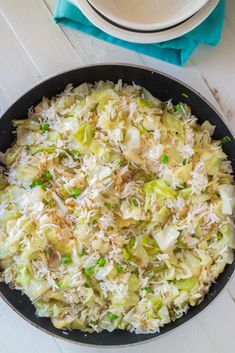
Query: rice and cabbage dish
115,209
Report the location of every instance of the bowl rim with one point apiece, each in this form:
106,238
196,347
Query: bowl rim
219,290
151,26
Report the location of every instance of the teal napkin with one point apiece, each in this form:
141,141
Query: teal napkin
176,51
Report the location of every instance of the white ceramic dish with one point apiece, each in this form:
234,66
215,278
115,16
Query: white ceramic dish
148,14
145,38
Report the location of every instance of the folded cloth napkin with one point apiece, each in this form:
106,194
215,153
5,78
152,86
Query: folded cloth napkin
176,51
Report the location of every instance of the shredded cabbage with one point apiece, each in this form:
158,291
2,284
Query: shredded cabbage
115,209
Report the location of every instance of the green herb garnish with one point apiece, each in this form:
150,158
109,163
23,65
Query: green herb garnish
107,204
83,252
44,127
66,259
89,271
134,202
119,268
122,163
148,289
164,159
38,182
76,192
225,139
178,107
111,316
47,175
101,262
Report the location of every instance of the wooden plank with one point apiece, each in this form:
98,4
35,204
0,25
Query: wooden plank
4,100
41,38
218,322
216,65
92,50
16,335
51,5
231,287
17,72
230,14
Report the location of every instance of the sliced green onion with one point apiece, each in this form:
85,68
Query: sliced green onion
119,268
178,107
59,283
38,182
111,316
101,262
62,155
47,175
134,202
83,252
89,271
76,192
185,95
225,139
107,204
44,127
122,163
74,153
164,159
148,289
66,259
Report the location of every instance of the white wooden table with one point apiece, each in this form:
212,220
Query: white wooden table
33,47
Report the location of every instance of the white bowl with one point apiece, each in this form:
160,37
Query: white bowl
145,38
147,15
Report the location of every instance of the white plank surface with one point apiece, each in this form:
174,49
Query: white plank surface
26,337
34,47
219,83
40,37
17,72
218,322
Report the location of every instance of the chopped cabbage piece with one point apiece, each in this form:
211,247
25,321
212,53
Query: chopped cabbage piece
172,123
227,193
188,284
159,187
132,139
150,99
166,238
208,127
10,155
83,136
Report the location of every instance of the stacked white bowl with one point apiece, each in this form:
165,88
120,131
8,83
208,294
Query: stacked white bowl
148,21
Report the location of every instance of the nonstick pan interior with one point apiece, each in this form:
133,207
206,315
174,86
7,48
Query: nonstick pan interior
163,87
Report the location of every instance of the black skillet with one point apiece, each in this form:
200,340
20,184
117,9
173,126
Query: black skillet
161,86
